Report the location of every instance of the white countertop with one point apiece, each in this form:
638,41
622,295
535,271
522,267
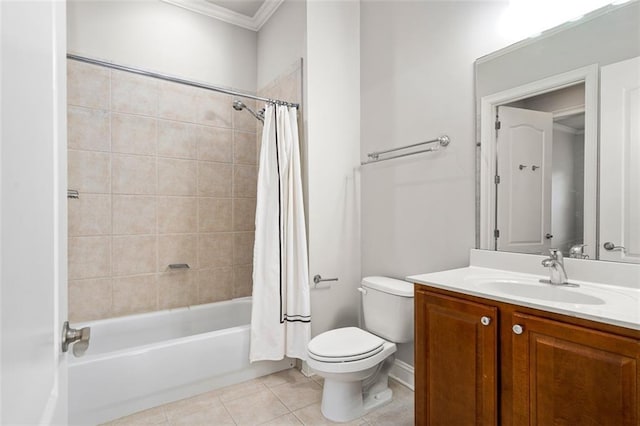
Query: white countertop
605,303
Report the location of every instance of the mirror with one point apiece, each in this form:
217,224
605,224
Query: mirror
558,124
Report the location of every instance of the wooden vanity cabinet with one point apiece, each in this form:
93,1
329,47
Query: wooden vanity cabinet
456,361
549,370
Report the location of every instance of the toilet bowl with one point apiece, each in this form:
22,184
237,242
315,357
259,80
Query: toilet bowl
355,362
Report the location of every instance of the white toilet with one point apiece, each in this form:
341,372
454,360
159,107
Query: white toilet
355,362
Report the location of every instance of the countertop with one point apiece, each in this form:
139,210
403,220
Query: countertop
605,303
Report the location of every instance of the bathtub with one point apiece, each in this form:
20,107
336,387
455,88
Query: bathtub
141,361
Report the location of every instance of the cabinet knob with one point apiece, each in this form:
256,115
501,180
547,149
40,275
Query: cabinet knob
485,320
517,329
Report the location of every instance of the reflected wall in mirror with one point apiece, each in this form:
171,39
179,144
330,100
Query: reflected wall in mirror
537,119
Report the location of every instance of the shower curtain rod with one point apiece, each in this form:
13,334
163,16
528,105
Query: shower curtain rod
178,80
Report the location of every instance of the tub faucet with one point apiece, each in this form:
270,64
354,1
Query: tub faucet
555,263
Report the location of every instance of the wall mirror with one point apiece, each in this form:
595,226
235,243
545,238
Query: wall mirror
558,125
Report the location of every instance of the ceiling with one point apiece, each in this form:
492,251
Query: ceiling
244,7
249,14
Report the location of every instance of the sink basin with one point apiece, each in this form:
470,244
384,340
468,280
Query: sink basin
540,291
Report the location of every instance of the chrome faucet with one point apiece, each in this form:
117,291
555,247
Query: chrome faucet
577,252
555,263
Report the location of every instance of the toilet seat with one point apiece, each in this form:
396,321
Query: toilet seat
344,345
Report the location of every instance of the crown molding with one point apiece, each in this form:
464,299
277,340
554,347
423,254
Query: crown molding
254,23
555,30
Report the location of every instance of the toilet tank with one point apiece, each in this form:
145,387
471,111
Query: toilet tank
387,308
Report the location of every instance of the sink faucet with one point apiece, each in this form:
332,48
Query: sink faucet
555,264
577,252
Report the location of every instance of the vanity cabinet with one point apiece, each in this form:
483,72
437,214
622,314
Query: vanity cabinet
483,362
456,361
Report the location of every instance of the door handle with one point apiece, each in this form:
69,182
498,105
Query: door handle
78,337
609,246
548,236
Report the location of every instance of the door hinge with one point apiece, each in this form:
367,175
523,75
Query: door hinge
496,179
497,125
496,233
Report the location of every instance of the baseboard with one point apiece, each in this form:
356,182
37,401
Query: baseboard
403,373
305,369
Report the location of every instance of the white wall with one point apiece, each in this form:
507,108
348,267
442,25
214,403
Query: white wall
333,106
161,37
418,213
282,40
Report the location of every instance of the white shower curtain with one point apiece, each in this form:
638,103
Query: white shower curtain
281,312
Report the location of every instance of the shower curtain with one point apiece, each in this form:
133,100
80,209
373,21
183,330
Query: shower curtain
281,311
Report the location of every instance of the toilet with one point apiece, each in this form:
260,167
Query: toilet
355,362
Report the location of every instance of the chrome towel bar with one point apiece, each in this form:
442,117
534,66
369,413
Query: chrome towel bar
374,157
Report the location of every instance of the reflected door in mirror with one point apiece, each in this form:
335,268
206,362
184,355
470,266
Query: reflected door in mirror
524,143
620,161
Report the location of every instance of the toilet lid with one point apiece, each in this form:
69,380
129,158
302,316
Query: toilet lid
344,344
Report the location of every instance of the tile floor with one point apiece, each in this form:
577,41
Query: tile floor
284,398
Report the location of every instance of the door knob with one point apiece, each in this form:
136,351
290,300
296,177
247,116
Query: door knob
78,336
609,246
517,329
485,320
548,236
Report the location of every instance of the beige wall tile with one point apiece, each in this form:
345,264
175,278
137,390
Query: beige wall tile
88,129
177,215
177,139
89,171
245,181
243,248
177,289
87,85
214,144
89,257
244,214
244,120
89,215
89,299
242,280
214,179
134,94
215,250
214,109
214,214
133,134
133,174
177,177
134,214
134,254
177,248
244,148
215,284
177,102
134,295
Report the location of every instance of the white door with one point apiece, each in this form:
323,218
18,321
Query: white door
620,161
524,142
33,211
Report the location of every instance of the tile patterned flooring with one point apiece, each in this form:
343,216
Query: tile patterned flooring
284,398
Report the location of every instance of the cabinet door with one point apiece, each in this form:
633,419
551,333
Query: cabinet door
455,362
569,375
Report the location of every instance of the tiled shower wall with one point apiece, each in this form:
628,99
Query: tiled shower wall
166,174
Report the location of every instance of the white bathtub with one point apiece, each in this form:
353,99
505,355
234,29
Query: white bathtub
141,361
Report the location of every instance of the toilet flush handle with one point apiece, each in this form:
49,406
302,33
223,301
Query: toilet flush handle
362,290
